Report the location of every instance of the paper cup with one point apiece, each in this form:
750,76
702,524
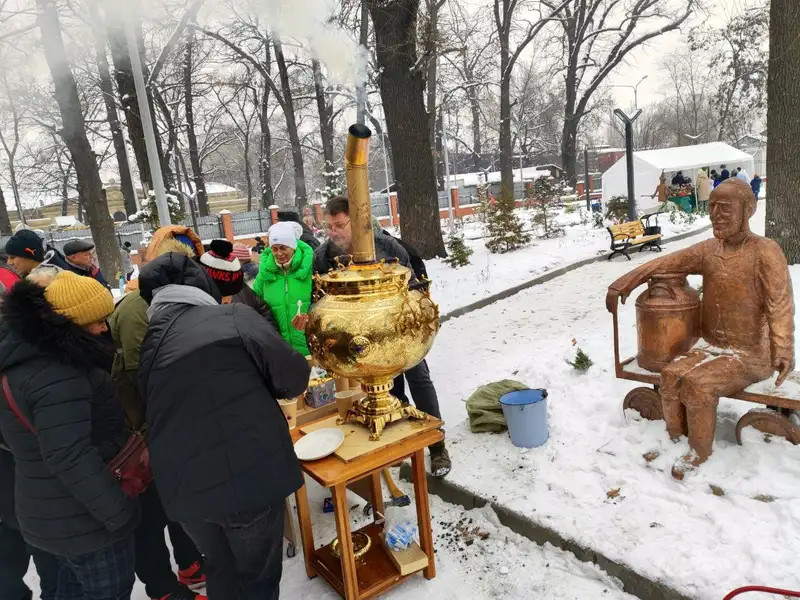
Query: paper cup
289,408
342,384
355,384
344,402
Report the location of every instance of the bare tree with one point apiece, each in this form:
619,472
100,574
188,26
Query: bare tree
106,85
783,154
739,63
11,115
90,188
507,20
597,35
472,64
402,89
5,222
188,104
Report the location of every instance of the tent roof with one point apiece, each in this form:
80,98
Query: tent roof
693,157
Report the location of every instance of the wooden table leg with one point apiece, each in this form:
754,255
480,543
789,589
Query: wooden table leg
306,531
342,512
423,511
377,494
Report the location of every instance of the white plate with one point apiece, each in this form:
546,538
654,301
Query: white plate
319,444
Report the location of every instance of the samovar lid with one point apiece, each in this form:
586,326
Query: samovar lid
367,278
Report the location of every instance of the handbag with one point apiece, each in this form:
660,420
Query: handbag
130,467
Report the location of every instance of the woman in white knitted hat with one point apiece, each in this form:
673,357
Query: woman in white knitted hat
284,282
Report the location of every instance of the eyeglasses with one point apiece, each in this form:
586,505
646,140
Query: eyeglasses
336,227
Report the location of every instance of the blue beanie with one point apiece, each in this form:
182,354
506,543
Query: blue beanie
184,239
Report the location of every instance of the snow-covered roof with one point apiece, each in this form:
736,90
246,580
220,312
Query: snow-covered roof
528,174
693,157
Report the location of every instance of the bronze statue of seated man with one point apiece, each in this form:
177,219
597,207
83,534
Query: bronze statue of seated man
747,319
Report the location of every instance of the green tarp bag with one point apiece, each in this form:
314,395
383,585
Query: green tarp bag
483,406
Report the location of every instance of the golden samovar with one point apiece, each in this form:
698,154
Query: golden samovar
367,324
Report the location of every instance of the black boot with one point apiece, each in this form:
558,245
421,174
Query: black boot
440,460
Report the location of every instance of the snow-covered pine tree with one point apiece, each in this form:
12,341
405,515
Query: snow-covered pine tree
544,196
503,228
149,212
458,252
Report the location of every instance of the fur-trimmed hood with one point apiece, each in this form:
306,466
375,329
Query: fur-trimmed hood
30,328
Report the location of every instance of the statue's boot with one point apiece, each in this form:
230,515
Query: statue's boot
702,425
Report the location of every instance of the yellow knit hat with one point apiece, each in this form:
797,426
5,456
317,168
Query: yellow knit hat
83,300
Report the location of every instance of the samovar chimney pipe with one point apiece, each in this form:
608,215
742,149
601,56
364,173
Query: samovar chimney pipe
355,163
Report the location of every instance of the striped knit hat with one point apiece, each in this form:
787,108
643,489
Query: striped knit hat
224,268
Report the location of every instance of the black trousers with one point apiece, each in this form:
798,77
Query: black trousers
15,554
244,554
153,565
15,557
423,393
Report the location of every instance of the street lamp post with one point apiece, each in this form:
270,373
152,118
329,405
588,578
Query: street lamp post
635,89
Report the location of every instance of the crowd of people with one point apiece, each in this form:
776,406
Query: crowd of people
193,359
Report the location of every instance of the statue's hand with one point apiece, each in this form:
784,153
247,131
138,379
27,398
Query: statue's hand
784,366
612,297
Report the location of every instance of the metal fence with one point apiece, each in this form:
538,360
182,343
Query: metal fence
251,222
208,228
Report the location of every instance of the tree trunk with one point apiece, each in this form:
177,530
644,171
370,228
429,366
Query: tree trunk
65,195
90,188
361,90
325,110
248,170
506,150
265,144
109,99
783,106
5,222
569,149
194,152
12,175
291,128
477,145
123,73
402,91
429,48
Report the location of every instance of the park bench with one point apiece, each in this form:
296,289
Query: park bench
625,236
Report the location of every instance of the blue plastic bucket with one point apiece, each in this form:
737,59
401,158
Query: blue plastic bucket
526,415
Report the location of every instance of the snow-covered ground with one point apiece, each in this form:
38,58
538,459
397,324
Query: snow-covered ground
488,274
503,565
591,482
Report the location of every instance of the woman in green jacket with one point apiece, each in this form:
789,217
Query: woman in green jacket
284,280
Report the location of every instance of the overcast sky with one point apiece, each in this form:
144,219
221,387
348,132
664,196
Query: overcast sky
644,61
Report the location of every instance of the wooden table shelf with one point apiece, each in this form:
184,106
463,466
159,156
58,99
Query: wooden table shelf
375,573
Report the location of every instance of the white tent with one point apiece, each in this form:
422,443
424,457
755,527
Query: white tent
648,165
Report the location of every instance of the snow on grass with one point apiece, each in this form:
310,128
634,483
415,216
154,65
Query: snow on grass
489,274
592,482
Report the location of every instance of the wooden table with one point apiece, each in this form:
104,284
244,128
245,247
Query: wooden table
377,573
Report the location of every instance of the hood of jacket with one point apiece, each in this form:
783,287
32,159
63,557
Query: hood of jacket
178,294
176,269
300,268
31,328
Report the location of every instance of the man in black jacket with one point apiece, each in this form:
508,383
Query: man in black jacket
339,244
220,448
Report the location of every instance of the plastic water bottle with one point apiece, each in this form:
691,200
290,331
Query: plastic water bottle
122,282
401,535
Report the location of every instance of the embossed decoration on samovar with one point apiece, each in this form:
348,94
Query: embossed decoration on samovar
366,323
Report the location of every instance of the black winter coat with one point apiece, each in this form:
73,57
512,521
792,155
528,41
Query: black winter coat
210,376
67,501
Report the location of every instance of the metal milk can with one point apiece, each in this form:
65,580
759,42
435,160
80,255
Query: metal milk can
667,320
